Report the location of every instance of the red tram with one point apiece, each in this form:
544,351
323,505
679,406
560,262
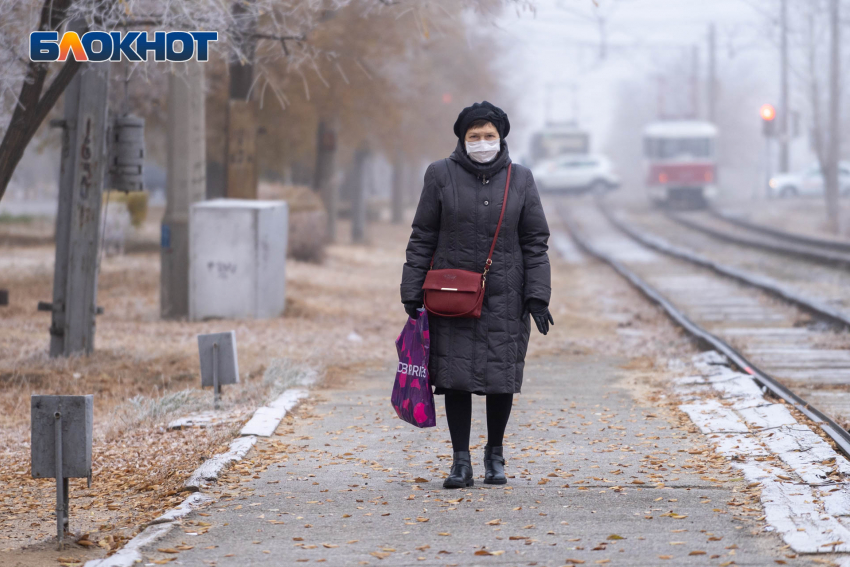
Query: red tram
681,162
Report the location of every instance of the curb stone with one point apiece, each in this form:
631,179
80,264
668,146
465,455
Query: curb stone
802,500
264,418
157,529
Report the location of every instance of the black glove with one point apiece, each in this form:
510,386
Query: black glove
540,313
412,309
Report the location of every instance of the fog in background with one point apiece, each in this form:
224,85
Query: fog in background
617,67
612,67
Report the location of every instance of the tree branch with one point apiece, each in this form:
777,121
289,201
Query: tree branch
30,111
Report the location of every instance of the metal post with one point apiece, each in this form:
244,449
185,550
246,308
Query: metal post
712,73
695,102
216,385
768,166
60,484
78,216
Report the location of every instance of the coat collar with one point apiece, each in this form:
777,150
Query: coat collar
483,171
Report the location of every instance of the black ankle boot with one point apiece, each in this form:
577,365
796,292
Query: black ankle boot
461,474
494,466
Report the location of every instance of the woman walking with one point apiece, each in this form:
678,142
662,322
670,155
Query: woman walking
454,227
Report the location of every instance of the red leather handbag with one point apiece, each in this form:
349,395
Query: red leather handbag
460,293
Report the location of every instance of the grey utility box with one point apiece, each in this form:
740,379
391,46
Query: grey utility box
237,259
226,365
77,415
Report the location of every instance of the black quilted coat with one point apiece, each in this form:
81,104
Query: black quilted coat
455,222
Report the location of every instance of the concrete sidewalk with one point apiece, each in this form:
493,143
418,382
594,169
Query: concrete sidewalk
599,477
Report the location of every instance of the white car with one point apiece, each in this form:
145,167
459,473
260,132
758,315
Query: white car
807,183
576,172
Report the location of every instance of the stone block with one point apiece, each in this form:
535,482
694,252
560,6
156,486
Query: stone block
237,259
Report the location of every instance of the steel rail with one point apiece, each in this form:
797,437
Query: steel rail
812,254
835,432
823,243
764,283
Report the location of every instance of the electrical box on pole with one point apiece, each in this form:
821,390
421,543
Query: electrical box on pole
127,153
61,446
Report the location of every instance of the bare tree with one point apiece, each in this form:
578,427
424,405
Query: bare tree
826,131
33,102
280,30
829,161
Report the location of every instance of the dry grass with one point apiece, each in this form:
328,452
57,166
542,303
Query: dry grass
145,371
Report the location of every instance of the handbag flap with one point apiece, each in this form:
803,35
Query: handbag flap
452,280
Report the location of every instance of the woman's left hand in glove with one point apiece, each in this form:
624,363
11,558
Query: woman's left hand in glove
540,313
412,309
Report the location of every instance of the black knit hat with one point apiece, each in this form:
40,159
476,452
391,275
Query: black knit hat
482,111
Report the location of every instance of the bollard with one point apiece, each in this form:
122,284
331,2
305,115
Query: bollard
216,385
61,446
219,365
60,485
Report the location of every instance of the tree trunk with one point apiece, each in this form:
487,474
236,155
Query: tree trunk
397,202
833,149
323,178
32,107
358,195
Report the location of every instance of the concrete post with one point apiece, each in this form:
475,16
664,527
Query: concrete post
186,184
81,176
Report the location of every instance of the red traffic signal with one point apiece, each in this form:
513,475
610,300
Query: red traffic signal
768,114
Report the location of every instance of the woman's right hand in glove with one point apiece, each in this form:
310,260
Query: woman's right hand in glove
412,309
540,313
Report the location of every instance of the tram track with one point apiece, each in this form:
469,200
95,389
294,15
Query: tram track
765,283
778,242
821,243
766,337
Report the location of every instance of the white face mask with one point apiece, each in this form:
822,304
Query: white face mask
483,151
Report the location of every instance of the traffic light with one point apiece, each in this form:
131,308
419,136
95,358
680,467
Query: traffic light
768,117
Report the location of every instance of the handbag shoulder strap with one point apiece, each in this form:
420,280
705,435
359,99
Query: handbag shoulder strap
499,226
489,261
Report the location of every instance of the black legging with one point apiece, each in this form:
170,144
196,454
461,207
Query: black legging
459,416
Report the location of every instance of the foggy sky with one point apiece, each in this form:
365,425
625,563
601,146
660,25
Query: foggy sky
556,46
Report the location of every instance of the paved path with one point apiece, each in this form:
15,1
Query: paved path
586,456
